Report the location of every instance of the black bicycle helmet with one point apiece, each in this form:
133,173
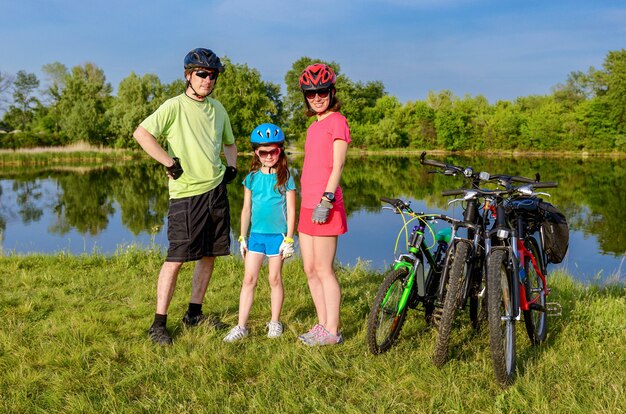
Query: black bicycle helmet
203,58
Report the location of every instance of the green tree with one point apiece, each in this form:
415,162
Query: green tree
57,74
177,87
359,100
416,121
614,79
577,88
381,128
24,103
246,99
83,103
502,130
137,97
543,125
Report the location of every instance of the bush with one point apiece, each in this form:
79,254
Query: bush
15,140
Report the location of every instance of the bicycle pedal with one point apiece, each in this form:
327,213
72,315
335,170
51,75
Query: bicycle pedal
554,309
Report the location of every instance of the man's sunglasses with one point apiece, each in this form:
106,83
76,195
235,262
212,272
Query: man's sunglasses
322,93
272,153
206,74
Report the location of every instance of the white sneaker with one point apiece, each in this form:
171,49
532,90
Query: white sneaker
274,329
236,334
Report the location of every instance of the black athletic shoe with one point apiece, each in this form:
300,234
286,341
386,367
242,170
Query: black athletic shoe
159,335
202,319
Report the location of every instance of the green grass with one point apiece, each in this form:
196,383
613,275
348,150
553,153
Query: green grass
73,339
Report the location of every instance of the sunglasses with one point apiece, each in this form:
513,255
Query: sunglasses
272,153
322,93
206,74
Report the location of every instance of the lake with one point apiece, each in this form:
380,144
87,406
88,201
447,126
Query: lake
85,209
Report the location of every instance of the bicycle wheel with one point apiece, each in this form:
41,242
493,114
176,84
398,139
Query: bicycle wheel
385,321
500,316
535,319
478,296
456,264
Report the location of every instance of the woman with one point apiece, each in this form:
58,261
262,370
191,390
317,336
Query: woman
322,212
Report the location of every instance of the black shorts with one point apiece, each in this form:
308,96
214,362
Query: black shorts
199,226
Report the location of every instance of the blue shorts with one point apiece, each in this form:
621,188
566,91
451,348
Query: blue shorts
267,244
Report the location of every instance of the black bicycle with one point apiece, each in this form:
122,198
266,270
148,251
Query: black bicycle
516,270
465,280
407,284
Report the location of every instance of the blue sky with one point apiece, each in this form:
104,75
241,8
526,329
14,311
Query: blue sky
499,49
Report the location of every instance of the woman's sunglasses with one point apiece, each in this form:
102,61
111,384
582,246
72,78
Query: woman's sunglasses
272,153
206,74
322,93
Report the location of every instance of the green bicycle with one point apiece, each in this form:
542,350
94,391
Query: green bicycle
407,284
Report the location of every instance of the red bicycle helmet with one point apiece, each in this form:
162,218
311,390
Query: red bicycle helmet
317,76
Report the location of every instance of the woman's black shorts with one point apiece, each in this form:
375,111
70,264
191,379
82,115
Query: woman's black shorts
199,226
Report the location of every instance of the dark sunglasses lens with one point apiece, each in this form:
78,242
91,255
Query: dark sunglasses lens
273,152
205,74
322,93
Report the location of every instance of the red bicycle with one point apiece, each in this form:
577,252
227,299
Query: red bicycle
516,271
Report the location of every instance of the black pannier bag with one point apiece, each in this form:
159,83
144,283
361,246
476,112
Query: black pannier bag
555,232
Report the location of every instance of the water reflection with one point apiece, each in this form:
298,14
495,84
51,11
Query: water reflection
82,209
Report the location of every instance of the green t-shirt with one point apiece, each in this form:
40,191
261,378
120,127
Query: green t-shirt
195,133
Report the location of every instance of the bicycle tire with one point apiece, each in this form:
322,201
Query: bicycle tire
384,323
457,266
535,319
500,317
478,297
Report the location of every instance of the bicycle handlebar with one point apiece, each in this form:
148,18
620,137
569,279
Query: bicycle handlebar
396,202
453,192
514,178
433,163
508,190
546,184
468,173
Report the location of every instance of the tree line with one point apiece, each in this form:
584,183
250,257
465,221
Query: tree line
585,113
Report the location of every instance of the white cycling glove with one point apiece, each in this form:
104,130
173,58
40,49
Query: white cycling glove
243,246
286,248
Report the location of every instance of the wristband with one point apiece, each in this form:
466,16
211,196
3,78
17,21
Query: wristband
240,239
288,240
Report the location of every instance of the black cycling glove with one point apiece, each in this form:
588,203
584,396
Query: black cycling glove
175,170
230,174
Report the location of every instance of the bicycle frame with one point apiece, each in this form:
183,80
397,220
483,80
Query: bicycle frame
518,253
525,304
411,261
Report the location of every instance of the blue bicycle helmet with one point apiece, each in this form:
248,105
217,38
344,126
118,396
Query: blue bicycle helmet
267,134
203,58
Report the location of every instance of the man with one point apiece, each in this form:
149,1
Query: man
196,128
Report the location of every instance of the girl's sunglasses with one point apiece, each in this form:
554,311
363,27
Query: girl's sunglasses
272,153
322,93
206,74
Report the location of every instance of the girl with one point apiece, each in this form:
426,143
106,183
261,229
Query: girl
270,205
322,213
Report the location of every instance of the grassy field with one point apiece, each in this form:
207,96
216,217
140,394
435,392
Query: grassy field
73,339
